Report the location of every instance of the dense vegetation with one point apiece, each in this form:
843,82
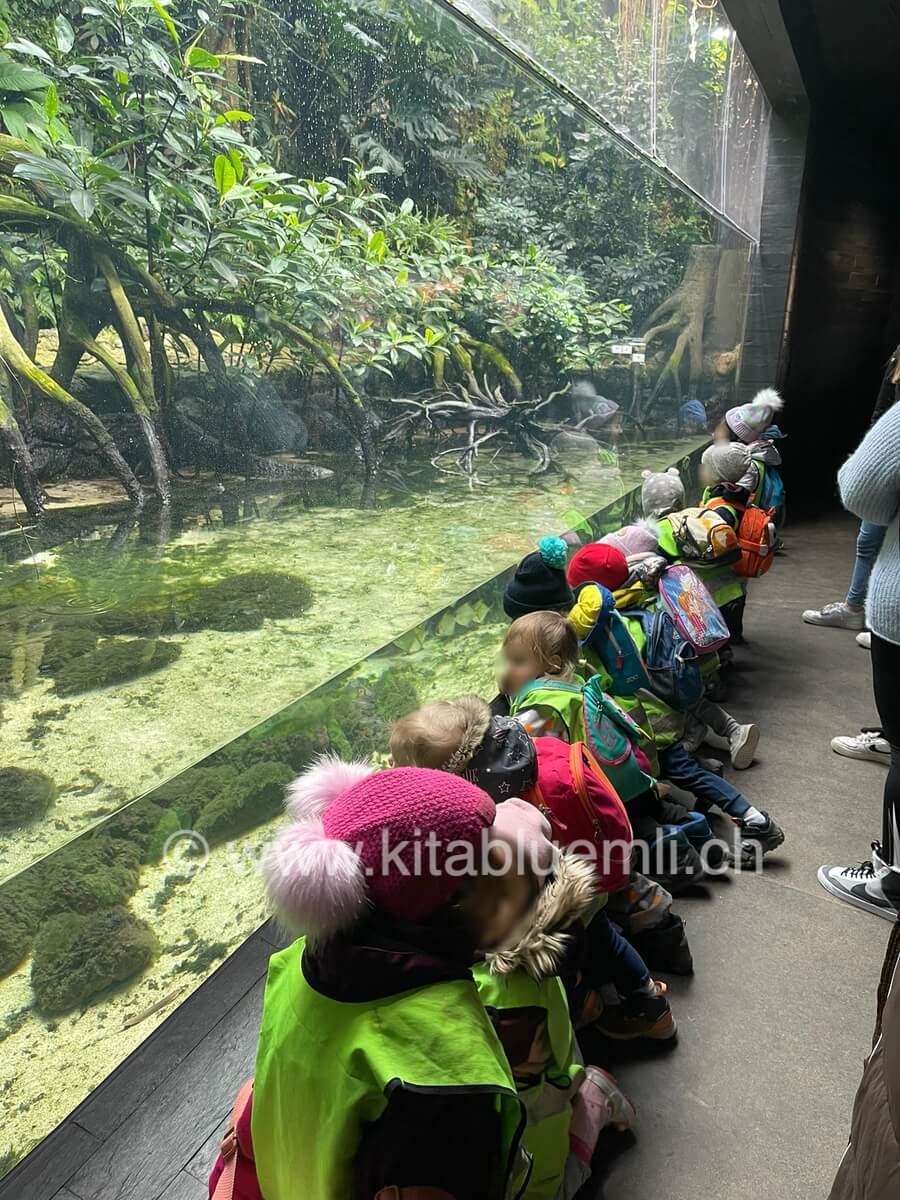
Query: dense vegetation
349,187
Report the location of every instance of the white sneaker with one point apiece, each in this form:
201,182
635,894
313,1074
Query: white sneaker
864,640
873,885
742,745
869,746
839,616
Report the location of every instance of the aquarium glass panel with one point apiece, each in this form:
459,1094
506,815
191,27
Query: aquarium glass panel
671,77
316,317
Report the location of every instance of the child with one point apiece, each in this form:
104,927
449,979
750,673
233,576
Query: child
539,583
605,564
495,753
758,830
375,1053
749,424
662,492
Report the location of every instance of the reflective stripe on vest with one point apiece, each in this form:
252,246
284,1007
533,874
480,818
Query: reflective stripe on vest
325,1069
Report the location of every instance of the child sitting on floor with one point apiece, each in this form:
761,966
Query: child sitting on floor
759,832
604,564
376,1052
495,753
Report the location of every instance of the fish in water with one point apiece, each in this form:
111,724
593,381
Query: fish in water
154,1008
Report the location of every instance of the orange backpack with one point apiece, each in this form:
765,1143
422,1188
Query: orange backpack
755,535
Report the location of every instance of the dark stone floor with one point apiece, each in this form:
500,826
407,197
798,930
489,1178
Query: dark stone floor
755,1098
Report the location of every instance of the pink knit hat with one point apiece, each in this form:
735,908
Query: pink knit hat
750,421
385,839
640,538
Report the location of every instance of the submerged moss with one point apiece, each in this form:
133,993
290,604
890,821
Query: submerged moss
256,796
243,602
90,874
188,792
76,956
65,644
114,661
24,796
18,921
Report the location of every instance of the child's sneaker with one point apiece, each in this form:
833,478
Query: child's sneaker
639,1015
838,616
864,640
873,885
742,744
765,837
870,746
622,1113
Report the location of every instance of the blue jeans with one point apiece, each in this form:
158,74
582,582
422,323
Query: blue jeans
679,767
611,958
868,546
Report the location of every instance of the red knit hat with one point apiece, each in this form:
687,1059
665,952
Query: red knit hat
598,563
381,839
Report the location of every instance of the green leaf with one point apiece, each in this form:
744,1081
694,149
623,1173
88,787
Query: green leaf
236,114
199,59
83,202
14,77
224,174
407,206
248,58
237,161
401,278
167,21
24,46
65,34
51,102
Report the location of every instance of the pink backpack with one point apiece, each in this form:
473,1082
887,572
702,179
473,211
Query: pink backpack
234,1175
687,600
583,808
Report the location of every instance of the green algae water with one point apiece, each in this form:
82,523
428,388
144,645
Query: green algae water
257,635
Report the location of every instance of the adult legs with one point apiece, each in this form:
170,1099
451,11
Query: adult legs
886,684
849,614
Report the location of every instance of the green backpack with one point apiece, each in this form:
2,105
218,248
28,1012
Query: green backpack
592,717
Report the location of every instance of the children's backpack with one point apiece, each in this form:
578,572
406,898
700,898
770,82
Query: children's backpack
607,635
756,538
702,536
688,601
672,662
592,717
582,805
771,493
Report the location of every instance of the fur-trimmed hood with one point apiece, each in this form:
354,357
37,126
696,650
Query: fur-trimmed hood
539,944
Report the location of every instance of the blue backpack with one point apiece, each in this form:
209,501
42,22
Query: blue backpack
672,663
621,658
772,493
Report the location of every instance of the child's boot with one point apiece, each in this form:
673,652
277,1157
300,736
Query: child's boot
643,1014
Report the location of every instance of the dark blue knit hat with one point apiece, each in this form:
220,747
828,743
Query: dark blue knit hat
539,584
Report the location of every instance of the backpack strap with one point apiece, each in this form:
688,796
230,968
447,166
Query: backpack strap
230,1148
577,756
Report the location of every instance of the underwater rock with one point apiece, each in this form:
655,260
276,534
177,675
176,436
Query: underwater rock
19,919
571,442
256,796
589,406
114,661
243,602
188,792
90,873
244,409
76,956
24,796
359,724
65,644
136,621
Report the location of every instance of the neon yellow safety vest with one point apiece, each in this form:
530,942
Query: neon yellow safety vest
548,1101
326,1068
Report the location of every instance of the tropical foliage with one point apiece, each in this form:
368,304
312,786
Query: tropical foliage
351,186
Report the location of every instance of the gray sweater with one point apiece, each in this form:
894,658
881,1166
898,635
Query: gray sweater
870,487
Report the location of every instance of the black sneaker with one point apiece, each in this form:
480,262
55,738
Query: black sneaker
767,837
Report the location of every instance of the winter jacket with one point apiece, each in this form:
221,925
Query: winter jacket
870,1169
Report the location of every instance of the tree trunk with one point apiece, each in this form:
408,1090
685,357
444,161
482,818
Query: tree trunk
27,371
683,316
24,476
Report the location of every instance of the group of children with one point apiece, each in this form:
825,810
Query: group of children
507,884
